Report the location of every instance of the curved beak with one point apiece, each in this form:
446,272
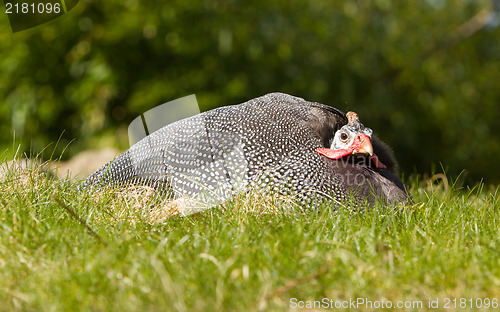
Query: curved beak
362,145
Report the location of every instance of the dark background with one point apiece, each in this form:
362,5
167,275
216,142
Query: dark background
424,74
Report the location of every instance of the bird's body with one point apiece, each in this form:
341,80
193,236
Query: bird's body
268,143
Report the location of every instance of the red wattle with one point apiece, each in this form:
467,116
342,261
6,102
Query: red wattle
333,154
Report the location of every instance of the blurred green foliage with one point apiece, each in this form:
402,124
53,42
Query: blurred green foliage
423,74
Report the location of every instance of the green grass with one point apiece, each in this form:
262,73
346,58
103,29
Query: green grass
252,253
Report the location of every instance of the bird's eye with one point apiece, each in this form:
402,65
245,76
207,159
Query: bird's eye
343,136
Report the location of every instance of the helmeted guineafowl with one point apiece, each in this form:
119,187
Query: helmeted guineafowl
269,142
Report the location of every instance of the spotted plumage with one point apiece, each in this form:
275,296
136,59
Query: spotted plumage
266,143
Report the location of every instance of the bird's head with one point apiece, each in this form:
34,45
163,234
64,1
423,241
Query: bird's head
352,139
353,136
